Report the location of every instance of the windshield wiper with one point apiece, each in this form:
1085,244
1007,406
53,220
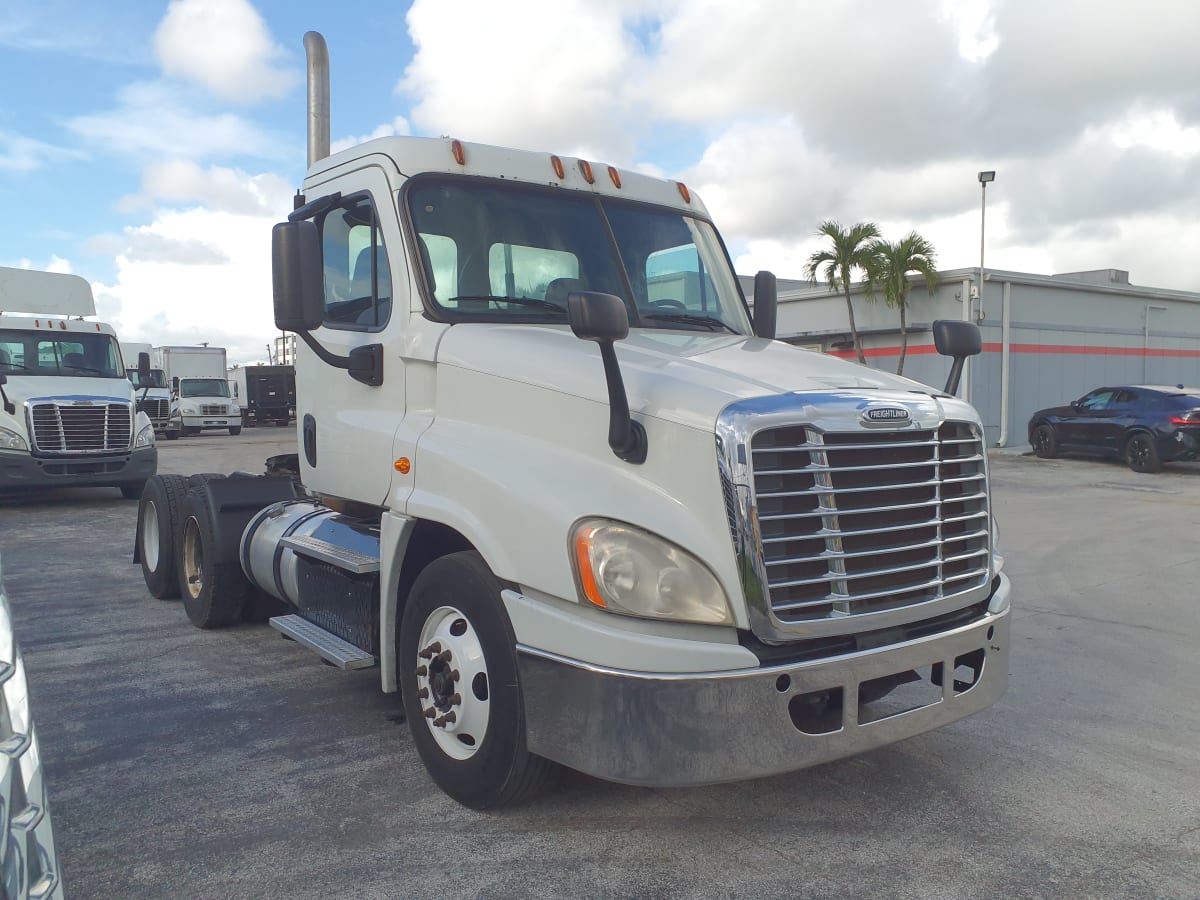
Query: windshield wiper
13,365
83,368
689,319
516,301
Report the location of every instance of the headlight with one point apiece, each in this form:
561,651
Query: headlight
188,410
145,437
233,407
10,440
626,570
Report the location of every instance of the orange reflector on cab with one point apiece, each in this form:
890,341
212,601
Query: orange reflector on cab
403,465
583,544
684,192
460,155
615,176
586,168
558,167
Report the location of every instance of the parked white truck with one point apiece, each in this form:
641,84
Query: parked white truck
67,411
574,520
152,394
199,391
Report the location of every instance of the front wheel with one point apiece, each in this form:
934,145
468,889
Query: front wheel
459,683
1045,443
1141,453
235,429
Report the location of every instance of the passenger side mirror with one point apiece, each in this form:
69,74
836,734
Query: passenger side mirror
175,384
957,339
766,304
143,367
298,282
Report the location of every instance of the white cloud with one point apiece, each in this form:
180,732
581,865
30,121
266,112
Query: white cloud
225,46
151,120
216,188
20,154
398,126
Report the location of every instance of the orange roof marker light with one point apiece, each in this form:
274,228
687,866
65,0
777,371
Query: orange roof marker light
558,167
684,192
460,155
586,168
403,465
615,176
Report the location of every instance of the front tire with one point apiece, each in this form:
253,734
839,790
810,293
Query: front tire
1141,454
459,683
132,491
214,589
159,515
1045,441
235,429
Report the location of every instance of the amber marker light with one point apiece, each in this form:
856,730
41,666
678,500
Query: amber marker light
615,176
460,155
558,167
684,192
586,168
583,564
403,465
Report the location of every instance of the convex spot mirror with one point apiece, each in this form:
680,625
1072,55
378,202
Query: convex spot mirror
297,279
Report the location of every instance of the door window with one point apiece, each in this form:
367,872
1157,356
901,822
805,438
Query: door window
358,282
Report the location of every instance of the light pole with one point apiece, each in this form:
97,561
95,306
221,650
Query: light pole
984,179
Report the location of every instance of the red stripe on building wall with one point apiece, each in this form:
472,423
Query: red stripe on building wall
996,347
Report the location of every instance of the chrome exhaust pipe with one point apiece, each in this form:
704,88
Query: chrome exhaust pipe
318,96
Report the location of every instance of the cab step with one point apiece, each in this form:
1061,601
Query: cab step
323,551
329,647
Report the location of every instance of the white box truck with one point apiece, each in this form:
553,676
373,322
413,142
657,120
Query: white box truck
152,394
576,522
67,410
200,397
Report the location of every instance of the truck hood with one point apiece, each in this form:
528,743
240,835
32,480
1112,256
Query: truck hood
686,378
45,388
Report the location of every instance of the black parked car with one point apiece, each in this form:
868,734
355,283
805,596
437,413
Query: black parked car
1145,425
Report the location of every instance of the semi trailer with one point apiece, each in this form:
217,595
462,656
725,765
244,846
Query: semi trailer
576,518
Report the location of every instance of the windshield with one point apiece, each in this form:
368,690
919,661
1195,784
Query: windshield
74,354
497,252
203,387
156,379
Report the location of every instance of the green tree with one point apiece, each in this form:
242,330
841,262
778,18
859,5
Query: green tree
836,266
888,271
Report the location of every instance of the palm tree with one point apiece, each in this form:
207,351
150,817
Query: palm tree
888,272
851,250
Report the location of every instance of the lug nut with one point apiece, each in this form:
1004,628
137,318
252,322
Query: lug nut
422,671
455,675
429,713
423,693
455,699
429,651
443,721
444,656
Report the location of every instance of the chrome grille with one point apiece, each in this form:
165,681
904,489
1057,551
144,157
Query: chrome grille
155,407
862,522
213,409
79,428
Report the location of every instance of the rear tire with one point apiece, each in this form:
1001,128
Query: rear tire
460,686
172,435
1045,441
214,589
1141,454
159,515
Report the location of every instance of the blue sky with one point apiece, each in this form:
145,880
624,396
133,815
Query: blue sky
149,146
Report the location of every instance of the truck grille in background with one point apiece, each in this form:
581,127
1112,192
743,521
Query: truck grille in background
214,409
81,429
155,408
861,522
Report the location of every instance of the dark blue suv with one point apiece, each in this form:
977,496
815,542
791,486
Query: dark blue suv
1145,425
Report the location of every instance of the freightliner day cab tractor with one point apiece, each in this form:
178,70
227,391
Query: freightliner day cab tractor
153,395
573,500
67,412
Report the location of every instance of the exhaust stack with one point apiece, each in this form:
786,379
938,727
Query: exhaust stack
318,96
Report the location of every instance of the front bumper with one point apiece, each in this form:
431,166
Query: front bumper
691,729
212,421
22,471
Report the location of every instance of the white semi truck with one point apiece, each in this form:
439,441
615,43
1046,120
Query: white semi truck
67,411
200,396
152,394
576,521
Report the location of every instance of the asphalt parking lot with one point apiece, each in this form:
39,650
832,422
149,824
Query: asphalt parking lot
184,763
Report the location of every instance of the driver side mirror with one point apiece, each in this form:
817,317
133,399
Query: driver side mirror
766,304
298,280
956,339
175,384
143,366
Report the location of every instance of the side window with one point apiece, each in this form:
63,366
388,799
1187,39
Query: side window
1096,400
518,271
12,355
676,280
358,281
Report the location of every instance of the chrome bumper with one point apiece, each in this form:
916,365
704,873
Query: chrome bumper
691,729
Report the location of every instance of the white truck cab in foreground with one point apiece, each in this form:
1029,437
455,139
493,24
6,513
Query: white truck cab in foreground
67,410
575,502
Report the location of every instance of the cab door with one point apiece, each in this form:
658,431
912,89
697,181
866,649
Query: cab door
346,427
